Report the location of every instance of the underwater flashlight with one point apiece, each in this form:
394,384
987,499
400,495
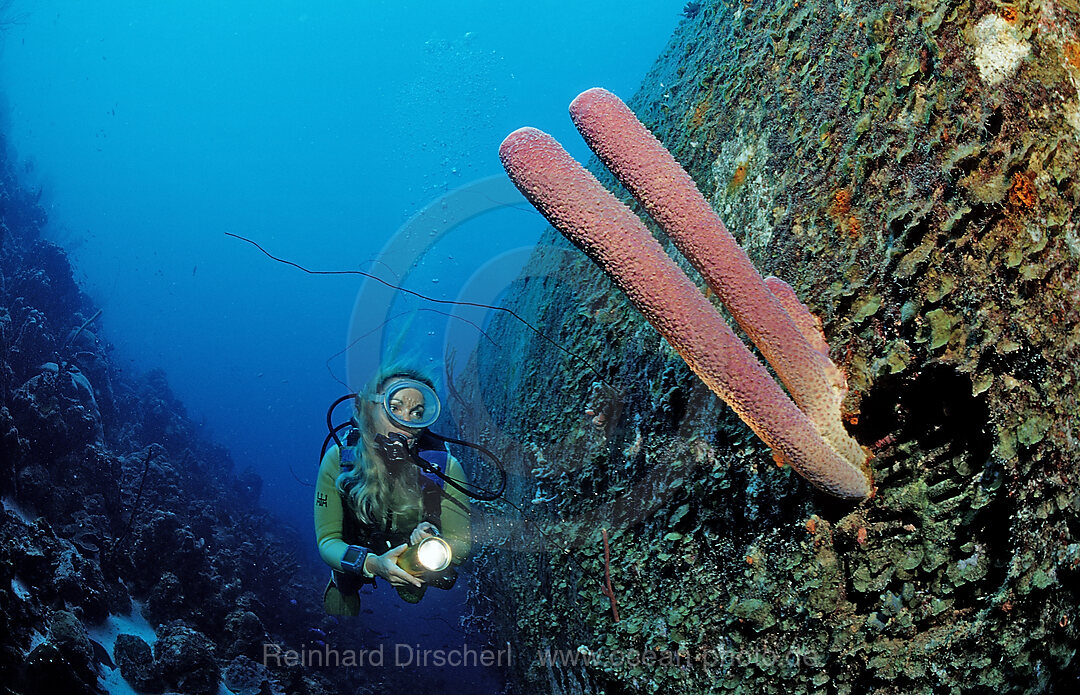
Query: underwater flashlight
432,554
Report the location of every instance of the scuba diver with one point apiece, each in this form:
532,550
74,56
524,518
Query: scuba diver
386,491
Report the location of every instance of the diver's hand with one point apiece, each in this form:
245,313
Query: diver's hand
423,530
386,566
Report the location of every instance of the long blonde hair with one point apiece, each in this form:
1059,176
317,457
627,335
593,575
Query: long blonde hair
372,493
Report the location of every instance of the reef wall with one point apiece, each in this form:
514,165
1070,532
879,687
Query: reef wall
130,548
911,169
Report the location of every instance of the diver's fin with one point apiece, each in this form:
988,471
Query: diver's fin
337,603
410,593
444,580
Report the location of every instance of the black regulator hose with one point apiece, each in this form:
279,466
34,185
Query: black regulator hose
477,492
330,424
484,496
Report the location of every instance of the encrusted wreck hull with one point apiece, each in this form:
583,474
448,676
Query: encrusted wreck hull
910,168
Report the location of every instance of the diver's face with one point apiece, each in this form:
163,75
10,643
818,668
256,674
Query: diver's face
407,405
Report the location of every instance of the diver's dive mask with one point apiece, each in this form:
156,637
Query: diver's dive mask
409,403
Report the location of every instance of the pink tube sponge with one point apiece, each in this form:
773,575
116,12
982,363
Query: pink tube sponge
612,235
670,197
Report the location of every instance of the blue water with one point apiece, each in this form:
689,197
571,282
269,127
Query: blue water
316,128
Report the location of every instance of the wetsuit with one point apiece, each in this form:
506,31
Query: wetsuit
336,529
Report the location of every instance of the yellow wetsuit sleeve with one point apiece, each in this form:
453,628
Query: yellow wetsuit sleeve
456,514
328,511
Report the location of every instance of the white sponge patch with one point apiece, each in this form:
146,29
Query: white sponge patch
999,50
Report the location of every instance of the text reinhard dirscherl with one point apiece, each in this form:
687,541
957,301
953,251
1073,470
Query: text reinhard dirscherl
402,655
414,656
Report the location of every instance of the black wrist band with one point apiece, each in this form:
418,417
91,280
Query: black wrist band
352,561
